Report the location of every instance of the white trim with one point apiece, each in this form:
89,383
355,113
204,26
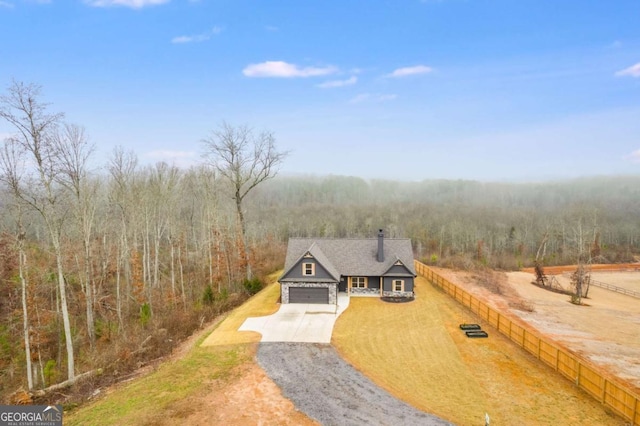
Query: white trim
393,285
365,282
306,272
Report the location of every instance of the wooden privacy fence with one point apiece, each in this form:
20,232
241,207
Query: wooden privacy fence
606,389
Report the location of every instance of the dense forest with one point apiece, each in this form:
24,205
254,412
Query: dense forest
105,268
459,223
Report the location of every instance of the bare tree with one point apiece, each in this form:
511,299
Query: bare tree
122,167
37,185
72,150
10,175
245,159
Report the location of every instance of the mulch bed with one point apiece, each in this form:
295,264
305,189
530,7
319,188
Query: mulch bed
392,299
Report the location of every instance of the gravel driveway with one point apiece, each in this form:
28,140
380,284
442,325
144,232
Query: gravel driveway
323,386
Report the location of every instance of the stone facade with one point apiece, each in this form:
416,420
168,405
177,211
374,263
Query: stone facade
365,292
397,294
333,290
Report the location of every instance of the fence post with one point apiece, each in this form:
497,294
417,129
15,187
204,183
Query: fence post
578,372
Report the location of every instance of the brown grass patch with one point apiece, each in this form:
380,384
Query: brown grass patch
417,352
261,304
210,384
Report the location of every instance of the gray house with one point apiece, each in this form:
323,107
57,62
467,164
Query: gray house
316,269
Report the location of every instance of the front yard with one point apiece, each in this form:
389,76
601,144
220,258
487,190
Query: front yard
413,350
417,352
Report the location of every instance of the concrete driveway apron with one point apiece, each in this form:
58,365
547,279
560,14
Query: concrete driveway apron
298,322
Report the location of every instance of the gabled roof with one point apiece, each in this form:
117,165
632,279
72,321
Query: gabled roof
351,256
319,255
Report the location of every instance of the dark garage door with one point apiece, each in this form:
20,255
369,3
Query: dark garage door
308,295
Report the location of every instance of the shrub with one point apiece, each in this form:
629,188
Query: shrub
145,314
223,295
207,296
50,372
253,285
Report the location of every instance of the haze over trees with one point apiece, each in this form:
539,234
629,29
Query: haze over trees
110,267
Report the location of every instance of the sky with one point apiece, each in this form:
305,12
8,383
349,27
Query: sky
491,90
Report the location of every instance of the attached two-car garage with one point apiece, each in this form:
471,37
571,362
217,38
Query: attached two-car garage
322,293
308,295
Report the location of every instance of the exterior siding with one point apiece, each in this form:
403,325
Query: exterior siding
398,270
388,283
342,286
320,272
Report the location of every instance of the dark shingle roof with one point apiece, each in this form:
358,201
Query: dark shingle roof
351,256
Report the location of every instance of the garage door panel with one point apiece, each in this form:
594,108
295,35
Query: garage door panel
309,295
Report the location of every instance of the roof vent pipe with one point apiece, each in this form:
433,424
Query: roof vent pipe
380,245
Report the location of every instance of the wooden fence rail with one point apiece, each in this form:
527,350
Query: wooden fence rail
612,287
615,288
602,386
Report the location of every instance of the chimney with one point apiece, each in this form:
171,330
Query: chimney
380,245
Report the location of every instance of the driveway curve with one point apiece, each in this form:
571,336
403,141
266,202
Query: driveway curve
298,322
326,388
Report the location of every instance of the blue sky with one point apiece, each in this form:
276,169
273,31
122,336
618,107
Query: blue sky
407,89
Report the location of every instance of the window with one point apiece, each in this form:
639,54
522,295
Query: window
308,269
359,282
398,285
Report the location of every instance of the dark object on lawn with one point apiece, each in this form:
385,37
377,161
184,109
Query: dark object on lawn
476,333
397,299
470,327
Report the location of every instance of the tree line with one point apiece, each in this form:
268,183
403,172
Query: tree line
103,269
458,223
107,268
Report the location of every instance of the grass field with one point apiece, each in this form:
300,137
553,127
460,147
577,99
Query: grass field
413,350
417,352
159,398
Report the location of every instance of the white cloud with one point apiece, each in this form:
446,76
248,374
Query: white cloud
616,45
632,71
338,83
634,157
133,4
6,4
404,72
176,158
372,97
197,38
271,28
280,69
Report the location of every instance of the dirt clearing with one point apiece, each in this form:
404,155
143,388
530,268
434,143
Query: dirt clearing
605,331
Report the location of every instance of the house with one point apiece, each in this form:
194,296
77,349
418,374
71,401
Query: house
316,269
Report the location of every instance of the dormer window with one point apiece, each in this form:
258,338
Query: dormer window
308,269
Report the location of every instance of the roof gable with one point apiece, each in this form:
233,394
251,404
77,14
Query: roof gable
313,252
398,268
351,256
